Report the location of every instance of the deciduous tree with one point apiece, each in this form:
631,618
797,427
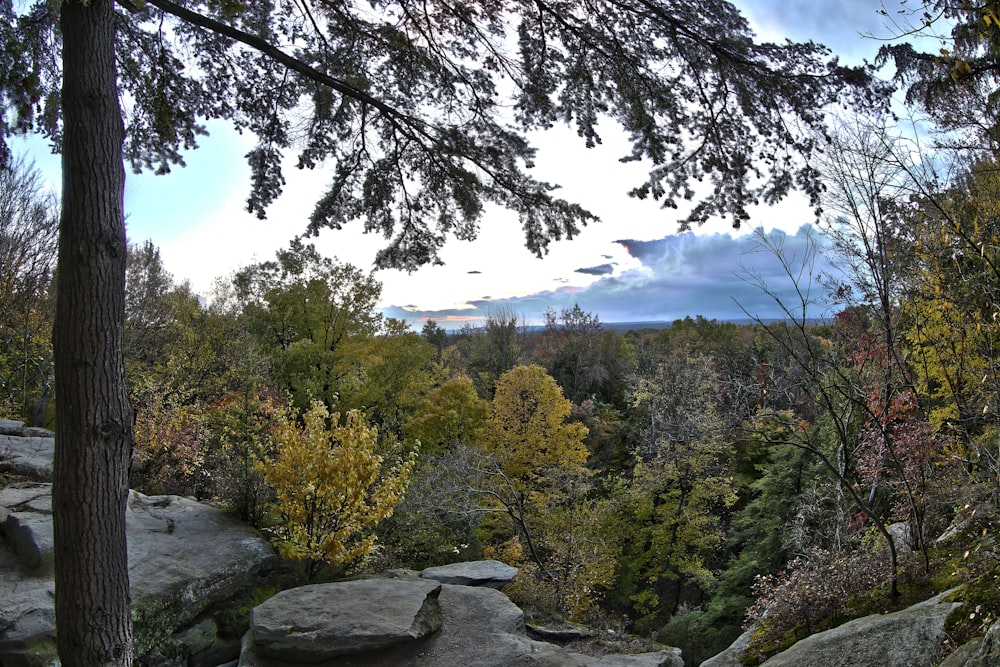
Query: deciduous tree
330,487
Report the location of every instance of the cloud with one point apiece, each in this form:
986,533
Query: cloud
718,276
602,270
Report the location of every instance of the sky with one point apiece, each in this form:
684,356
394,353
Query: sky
632,266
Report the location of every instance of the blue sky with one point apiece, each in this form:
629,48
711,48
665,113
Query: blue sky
630,267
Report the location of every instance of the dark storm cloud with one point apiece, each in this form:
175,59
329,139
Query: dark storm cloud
718,276
600,270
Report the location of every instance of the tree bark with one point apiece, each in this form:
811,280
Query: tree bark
93,414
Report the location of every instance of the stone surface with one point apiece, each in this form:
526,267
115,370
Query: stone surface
913,636
479,627
667,658
321,622
731,656
30,535
982,652
29,457
491,573
183,558
11,427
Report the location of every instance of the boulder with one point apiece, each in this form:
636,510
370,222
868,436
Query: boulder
370,622
30,535
321,622
913,636
11,427
491,573
666,658
29,457
731,656
185,557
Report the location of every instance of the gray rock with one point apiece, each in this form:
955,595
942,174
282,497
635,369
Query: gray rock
913,636
10,427
27,628
30,535
26,495
491,573
325,621
183,558
666,658
731,656
982,652
566,634
30,457
482,627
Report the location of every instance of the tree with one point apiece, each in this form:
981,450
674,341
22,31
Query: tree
330,488
526,428
28,227
450,415
436,336
957,84
310,314
411,122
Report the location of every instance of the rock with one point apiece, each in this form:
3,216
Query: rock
558,635
321,622
482,627
10,427
913,636
490,573
731,656
30,535
184,557
27,625
25,495
983,652
37,432
29,457
479,626
667,658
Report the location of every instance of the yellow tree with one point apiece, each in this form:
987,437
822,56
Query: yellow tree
540,459
526,427
330,488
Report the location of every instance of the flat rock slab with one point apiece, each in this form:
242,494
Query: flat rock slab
30,457
321,622
490,573
913,636
184,556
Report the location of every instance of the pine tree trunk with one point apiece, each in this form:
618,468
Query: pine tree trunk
93,415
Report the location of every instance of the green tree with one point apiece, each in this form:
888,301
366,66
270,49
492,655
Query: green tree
584,359
311,315
395,372
436,336
669,508
450,415
418,143
330,488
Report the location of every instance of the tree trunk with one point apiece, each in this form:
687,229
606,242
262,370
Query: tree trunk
93,415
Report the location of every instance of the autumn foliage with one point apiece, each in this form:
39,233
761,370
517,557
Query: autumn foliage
330,487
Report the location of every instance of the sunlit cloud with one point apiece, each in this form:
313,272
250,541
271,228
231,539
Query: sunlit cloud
717,276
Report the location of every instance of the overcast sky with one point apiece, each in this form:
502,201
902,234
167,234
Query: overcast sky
630,267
